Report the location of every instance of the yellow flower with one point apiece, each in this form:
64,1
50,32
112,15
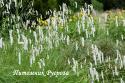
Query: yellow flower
45,23
82,14
41,22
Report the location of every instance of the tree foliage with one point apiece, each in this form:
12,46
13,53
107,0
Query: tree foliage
112,4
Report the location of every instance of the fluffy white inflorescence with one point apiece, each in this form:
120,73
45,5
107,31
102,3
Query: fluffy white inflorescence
75,66
83,41
116,21
19,58
123,22
11,36
1,42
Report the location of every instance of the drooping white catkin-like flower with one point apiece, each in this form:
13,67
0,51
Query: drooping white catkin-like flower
37,51
2,3
32,57
99,57
121,80
122,36
19,58
83,41
51,44
93,31
39,65
118,55
81,65
83,23
116,71
92,26
69,61
31,61
7,8
76,45
25,42
35,36
57,40
27,23
9,4
102,75
47,57
18,33
123,22
62,37
76,5
15,1
87,34
63,12
67,40
116,21
85,60
78,27
42,61
96,74
67,28
11,36
117,42
41,48
29,41
21,4
91,72
94,51
121,63
75,66
18,19
1,42
88,10
102,57
106,16
124,61
41,36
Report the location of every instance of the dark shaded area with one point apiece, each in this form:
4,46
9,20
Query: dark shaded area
112,4
12,8
88,1
60,2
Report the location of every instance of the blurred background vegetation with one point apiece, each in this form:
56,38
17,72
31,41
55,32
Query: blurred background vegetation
47,5
43,5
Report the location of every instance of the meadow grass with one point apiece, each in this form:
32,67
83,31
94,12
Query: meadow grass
91,48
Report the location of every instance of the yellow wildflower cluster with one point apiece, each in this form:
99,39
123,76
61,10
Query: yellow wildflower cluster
82,13
42,22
